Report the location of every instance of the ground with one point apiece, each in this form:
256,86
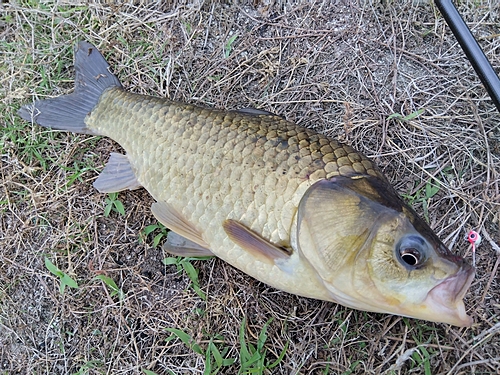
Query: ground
387,77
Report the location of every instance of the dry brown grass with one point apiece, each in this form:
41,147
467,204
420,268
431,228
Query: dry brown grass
341,69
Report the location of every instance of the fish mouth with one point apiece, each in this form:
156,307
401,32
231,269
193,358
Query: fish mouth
446,299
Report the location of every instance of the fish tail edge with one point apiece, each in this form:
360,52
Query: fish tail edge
68,112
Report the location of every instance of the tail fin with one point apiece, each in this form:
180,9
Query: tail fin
68,112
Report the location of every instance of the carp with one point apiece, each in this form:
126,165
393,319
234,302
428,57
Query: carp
289,206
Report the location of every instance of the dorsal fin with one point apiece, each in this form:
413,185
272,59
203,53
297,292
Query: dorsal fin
256,112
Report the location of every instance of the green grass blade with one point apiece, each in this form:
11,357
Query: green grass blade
69,281
244,353
186,339
413,115
52,268
110,283
109,206
170,260
120,208
150,228
193,276
208,362
157,239
215,353
190,271
229,45
263,335
280,357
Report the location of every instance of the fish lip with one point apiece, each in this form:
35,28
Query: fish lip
447,297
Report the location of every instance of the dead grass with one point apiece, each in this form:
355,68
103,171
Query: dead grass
341,69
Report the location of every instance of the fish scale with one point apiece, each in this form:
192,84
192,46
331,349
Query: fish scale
212,166
289,206
196,148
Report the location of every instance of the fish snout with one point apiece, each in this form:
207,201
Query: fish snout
446,298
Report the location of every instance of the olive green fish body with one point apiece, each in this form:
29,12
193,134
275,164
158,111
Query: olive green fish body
289,206
213,165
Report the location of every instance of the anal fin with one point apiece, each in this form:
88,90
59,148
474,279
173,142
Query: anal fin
169,217
180,246
254,243
117,175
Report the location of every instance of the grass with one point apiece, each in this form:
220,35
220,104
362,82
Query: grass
408,117
252,357
188,267
64,279
161,233
32,149
113,204
88,366
214,358
423,196
110,283
228,47
387,78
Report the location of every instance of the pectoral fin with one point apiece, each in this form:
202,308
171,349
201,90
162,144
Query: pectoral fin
254,243
117,175
169,217
180,246
336,220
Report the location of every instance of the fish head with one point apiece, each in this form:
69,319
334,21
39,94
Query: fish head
372,252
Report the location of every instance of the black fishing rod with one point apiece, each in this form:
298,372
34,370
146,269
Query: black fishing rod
471,48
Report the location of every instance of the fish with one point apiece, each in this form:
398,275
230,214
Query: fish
291,207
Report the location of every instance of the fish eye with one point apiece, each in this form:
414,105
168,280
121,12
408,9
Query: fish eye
410,256
411,251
